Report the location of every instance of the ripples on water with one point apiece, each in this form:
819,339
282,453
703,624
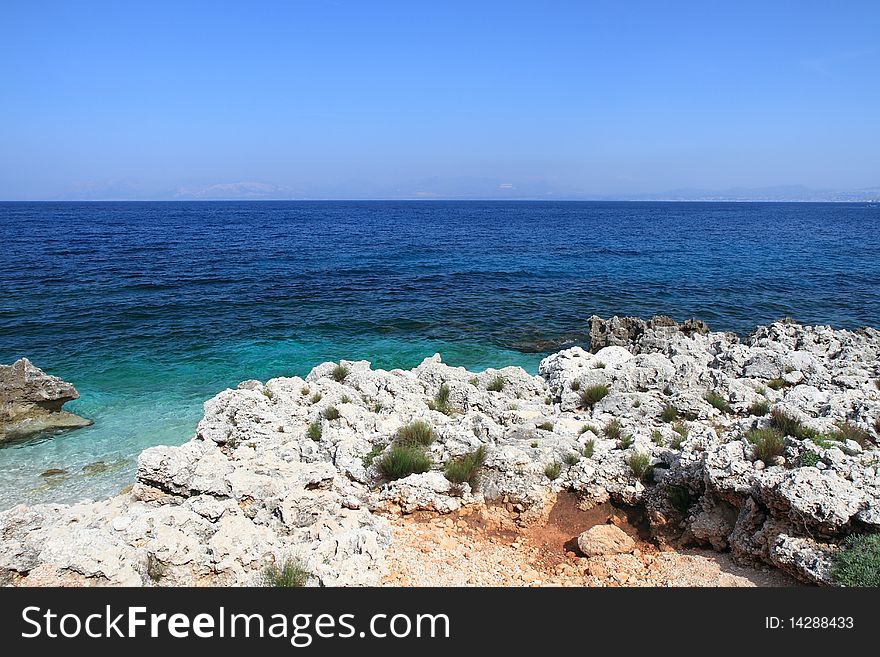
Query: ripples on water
151,308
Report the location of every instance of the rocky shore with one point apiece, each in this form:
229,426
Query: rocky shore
31,402
764,448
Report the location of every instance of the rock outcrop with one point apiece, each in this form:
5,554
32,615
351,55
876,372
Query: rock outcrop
31,402
628,331
290,468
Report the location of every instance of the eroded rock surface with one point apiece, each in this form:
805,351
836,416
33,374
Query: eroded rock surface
288,469
31,402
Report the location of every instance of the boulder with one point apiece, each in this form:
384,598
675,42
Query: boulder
31,402
605,539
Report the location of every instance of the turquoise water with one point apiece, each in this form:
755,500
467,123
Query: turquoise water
152,308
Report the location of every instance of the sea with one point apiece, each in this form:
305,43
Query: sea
151,308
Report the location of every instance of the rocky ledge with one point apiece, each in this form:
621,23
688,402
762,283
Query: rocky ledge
31,402
765,447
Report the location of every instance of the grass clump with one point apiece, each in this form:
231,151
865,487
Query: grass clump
417,433
315,431
440,402
552,470
575,384
590,396
637,403
497,384
304,391
466,468
759,408
403,460
339,373
681,434
589,448
589,427
717,401
572,459
776,384
370,456
761,390
639,463
474,381
849,431
612,430
657,438
827,440
332,413
669,414
316,398
546,426
790,426
155,569
858,563
809,459
599,365
625,442
769,443
533,444
345,399
291,574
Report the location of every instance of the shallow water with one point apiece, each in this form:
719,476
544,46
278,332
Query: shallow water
152,308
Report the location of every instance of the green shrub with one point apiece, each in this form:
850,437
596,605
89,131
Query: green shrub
441,400
639,463
590,396
552,470
315,430
291,574
497,384
657,438
345,399
572,459
759,408
776,384
339,373
599,365
637,403
316,398
681,434
589,448
669,414
546,426
332,413
466,468
548,400
575,385
403,460
268,393
717,401
370,456
625,442
849,431
474,381
769,443
612,430
304,391
858,562
826,440
533,444
761,390
809,459
416,433
589,427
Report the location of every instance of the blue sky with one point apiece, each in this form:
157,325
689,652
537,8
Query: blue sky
340,99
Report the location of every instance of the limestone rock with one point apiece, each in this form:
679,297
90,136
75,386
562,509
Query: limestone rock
605,539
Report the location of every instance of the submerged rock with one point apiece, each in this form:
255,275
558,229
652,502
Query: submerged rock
31,402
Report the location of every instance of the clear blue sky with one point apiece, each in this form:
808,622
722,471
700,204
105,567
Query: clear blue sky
341,98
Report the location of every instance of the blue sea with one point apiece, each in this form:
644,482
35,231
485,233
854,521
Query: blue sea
152,308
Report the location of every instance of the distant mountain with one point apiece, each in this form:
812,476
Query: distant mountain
777,193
